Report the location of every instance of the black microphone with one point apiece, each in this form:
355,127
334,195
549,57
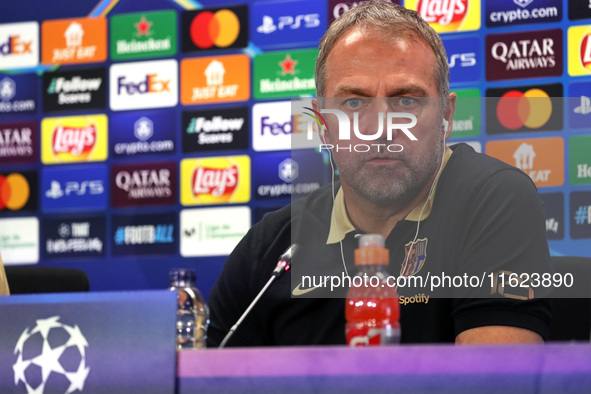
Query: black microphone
284,264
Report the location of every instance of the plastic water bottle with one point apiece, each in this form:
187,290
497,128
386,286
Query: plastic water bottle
192,317
372,309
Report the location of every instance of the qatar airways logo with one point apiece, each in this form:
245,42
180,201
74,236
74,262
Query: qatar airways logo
443,12
402,121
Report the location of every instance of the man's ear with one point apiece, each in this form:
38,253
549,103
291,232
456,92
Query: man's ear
448,114
324,135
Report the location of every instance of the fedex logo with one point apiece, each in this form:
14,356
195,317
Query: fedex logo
152,84
19,45
16,46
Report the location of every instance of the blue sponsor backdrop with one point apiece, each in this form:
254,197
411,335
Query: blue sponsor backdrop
464,58
75,188
518,12
19,93
142,133
145,235
67,237
579,105
287,23
149,271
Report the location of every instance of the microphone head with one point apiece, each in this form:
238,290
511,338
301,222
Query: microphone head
289,253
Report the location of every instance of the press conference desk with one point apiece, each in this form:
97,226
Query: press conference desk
413,369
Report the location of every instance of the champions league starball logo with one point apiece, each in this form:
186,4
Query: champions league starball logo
51,358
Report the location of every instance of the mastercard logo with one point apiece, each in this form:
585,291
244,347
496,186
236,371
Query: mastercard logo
220,29
14,191
531,109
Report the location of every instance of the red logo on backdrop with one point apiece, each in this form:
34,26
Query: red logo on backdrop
444,12
74,141
586,51
219,183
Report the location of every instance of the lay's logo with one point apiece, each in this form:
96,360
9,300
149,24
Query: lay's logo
215,180
74,139
152,84
579,50
448,15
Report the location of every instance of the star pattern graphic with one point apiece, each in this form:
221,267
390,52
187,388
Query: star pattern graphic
143,27
288,65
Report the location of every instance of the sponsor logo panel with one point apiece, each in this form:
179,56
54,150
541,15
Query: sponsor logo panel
278,126
448,16
554,209
152,84
533,54
336,8
73,90
144,184
215,79
71,41
74,188
277,176
519,12
19,45
215,180
284,74
580,160
289,22
579,105
18,93
18,191
580,215
579,9
143,35
524,108
467,117
215,28
213,231
19,240
579,50
542,158
463,57
154,234
213,130
74,139
82,237
140,134
19,142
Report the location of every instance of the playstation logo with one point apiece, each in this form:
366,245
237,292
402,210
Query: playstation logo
7,89
585,107
268,26
55,191
523,3
143,129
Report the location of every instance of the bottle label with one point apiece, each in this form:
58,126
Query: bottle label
373,336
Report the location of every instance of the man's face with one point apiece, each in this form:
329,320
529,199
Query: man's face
368,74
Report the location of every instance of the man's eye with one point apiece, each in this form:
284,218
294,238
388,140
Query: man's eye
407,101
353,103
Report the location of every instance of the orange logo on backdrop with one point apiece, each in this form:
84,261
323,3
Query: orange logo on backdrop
215,79
74,41
542,158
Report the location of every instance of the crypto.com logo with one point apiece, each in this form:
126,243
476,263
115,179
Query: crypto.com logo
345,129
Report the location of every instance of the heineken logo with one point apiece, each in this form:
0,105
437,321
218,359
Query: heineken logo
284,74
142,35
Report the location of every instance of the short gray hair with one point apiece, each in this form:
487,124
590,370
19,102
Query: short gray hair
392,19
